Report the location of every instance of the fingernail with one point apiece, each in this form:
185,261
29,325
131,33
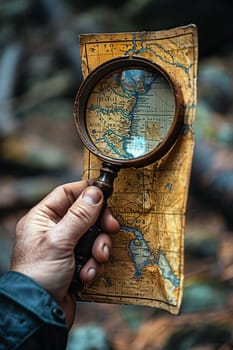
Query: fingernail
91,273
92,196
106,250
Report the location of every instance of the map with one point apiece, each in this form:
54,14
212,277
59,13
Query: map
129,113
146,266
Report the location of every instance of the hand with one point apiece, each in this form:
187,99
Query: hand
47,235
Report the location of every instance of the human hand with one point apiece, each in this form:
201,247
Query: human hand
47,235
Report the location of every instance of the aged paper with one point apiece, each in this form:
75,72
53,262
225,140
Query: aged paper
146,266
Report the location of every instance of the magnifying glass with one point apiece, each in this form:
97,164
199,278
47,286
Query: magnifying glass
127,113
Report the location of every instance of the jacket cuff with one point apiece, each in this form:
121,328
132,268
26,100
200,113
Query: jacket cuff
31,296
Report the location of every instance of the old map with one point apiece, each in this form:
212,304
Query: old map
146,265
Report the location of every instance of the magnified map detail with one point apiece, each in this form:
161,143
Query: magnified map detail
129,113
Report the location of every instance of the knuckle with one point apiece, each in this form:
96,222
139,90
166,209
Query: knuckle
55,244
52,241
20,226
82,213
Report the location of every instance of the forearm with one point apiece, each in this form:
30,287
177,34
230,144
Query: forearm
29,317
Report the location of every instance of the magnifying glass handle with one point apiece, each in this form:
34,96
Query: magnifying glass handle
83,250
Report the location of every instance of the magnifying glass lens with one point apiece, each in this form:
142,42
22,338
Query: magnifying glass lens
129,112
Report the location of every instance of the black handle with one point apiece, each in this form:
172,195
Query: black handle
83,250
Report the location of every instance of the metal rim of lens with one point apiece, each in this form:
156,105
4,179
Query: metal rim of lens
86,89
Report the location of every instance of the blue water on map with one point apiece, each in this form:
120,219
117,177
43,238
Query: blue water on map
142,256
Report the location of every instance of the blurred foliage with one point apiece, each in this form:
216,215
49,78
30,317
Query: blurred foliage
40,72
212,335
89,337
203,296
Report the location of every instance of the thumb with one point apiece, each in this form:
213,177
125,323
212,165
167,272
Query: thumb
80,216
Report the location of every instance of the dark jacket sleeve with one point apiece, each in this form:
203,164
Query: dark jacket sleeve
30,319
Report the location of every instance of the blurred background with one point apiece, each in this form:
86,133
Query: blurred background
40,72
